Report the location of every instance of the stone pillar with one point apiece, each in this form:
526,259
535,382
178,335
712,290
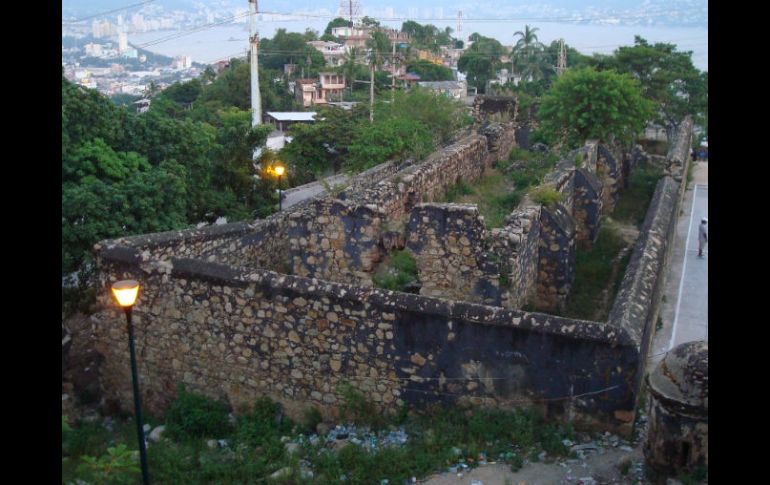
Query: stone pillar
677,438
556,258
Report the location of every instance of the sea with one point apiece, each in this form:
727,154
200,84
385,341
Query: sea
231,40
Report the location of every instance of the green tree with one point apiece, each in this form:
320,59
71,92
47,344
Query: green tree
429,71
394,138
527,55
337,22
481,61
585,103
667,76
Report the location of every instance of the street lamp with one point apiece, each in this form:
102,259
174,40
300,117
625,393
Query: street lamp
125,293
279,169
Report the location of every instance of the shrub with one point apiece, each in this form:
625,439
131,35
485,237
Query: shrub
458,190
263,425
397,273
194,415
358,409
546,196
118,466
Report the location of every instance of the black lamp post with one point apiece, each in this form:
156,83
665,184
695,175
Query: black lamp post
279,169
125,292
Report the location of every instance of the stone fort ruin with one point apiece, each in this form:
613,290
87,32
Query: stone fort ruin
285,307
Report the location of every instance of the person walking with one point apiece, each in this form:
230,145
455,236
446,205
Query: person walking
703,236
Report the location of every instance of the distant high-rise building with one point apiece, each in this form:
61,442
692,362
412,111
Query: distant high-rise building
389,12
413,12
426,13
440,13
122,42
137,22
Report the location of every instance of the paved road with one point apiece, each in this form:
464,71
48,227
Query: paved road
298,194
685,307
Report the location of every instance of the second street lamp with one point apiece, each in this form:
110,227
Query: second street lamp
279,170
125,293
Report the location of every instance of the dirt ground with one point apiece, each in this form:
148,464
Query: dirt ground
596,468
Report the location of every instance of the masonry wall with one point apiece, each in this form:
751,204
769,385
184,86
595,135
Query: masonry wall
516,246
398,194
587,206
556,258
609,169
447,241
244,334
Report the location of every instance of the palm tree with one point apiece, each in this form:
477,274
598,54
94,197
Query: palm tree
378,45
525,54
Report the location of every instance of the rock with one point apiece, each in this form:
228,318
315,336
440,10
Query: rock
282,474
211,444
322,428
285,439
585,447
146,428
542,455
673,481
157,433
339,445
586,481
292,448
626,448
477,482
222,443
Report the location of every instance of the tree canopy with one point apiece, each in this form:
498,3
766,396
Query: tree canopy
586,103
667,76
481,61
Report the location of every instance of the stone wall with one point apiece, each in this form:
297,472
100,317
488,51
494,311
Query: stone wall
609,170
447,241
243,334
587,208
516,246
501,138
556,258
498,108
426,181
336,241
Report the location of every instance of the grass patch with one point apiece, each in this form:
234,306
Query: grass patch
437,438
633,202
593,270
546,196
397,273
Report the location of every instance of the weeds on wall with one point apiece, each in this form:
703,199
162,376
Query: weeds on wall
397,273
547,196
634,201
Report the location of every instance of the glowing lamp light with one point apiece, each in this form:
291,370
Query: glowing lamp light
125,292
279,169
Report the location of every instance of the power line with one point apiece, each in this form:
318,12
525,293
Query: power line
192,30
109,12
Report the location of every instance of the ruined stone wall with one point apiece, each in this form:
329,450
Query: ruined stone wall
638,300
562,179
587,206
609,170
335,240
496,108
398,194
516,246
447,241
501,138
678,156
244,334
556,258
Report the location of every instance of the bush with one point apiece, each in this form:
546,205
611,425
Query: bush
546,196
397,273
194,415
358,409
118,466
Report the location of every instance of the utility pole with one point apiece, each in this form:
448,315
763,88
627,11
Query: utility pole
562,66
371,93
256,101
393,73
